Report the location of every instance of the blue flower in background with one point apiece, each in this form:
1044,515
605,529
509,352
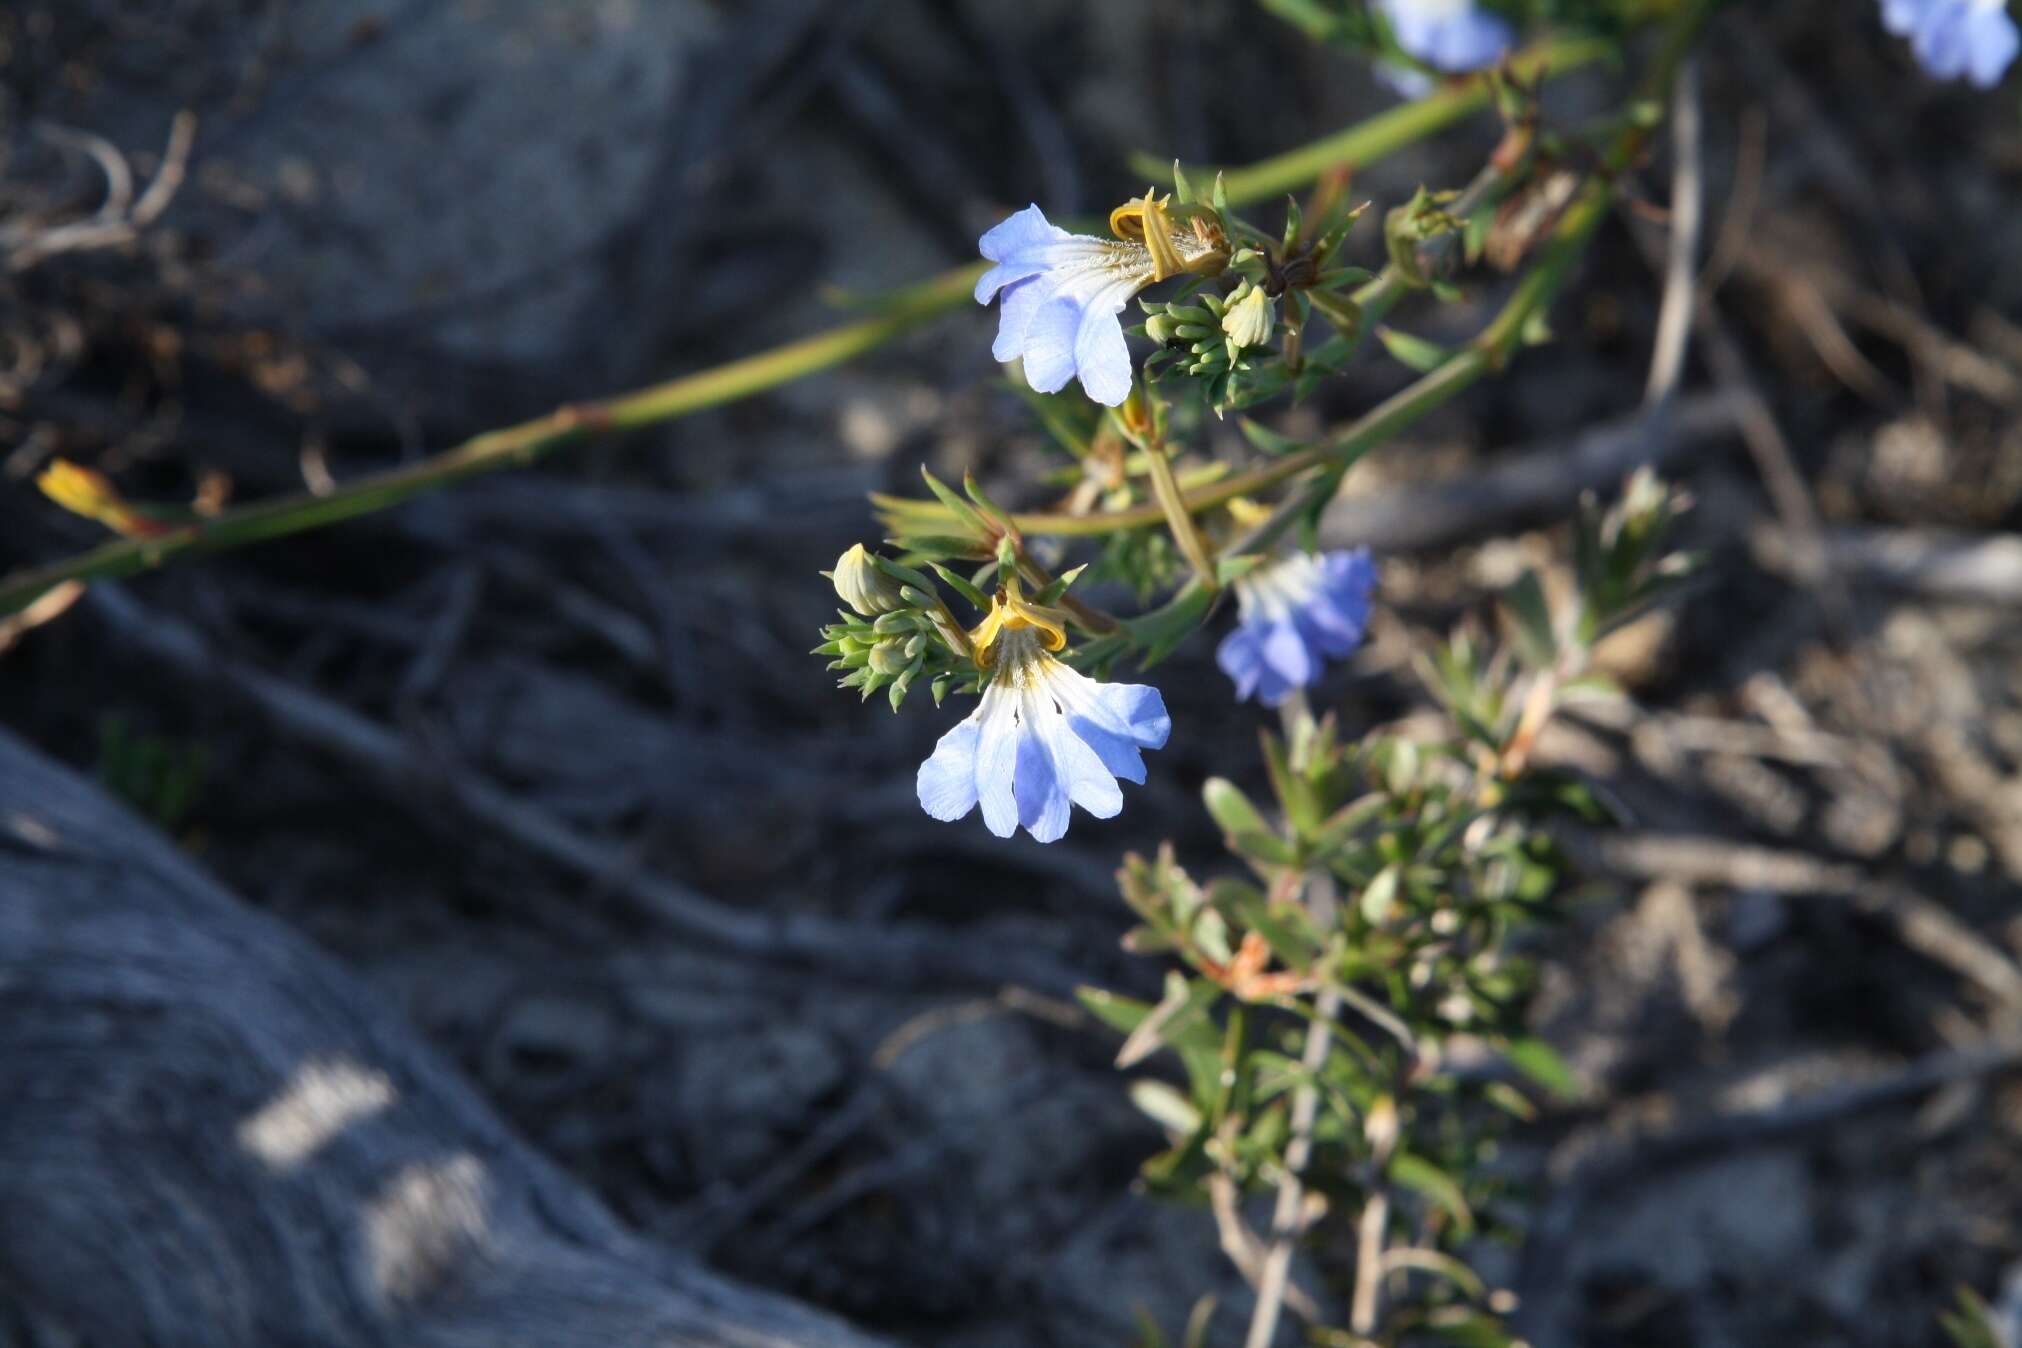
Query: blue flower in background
1449,35
1973,38
1295,615
1046,737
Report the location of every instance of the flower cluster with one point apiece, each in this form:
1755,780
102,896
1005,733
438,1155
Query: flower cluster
1046,737
1973,38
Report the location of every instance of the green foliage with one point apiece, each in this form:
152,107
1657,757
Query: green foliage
160,778
1369,934
899,629
1382,892
1971,1325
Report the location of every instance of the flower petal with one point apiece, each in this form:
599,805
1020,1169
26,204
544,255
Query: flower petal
1994,47
1242,659
1115,720
1014,316
1901,17
1019,232
1991,60
996,759
947,780
1100,352
1024,245
1286,653
1088,782
1447,37
1043,802
1048,347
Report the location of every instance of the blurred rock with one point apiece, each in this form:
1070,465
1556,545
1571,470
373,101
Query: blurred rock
474,178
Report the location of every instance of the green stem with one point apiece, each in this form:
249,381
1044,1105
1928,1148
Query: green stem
512,446
529,441
1179,517
1491,349
1384,133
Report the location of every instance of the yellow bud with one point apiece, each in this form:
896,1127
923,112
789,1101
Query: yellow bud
1251,319
83,491
862,586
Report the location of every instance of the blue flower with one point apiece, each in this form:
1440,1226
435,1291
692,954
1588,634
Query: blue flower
1295,615
1062,292
1974,38
1449,35
1045,737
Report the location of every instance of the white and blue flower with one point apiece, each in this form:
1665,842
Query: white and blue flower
1296,614
1449,35
1045,737
1951,38
1062,292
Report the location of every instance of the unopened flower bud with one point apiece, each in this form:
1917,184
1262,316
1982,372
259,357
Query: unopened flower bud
1250,319
862,586
887,658
1381,1124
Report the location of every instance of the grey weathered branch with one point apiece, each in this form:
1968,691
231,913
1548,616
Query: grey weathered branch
1534,483
212,1135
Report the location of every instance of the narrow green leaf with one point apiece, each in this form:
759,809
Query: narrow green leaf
1122,1014
1531,615
961,586
1413,352
963,511
1231,808
1166,1106
1435,1186
1267,440
1542,1064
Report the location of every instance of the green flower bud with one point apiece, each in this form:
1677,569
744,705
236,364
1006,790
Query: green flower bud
888,659
862,586
1251,319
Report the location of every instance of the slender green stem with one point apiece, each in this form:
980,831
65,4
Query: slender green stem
1186,530
512,446
1382,134
1491,349
523,444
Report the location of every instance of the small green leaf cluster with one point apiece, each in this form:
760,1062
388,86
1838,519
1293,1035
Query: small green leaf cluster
1247,344
158,777
1382,911
896,630
898,627
1972,1323
1415,969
